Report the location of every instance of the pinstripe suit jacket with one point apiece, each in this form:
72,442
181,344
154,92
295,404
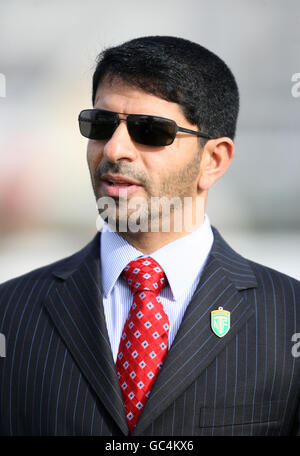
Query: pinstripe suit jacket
59,378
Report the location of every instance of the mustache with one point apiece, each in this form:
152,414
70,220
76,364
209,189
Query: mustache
121,167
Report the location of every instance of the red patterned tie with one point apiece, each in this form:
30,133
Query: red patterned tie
144,342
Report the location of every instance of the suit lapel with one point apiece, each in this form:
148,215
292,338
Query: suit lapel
195,346
75,306
74,303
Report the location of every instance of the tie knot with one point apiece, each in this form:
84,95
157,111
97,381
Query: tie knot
144,274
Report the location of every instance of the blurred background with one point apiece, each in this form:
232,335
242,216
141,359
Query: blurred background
47,57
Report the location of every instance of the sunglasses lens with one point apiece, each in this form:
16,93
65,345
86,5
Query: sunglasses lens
151,131
97,124
148,130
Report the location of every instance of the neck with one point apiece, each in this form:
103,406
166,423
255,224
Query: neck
148,242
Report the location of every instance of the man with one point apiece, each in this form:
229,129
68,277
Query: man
151,329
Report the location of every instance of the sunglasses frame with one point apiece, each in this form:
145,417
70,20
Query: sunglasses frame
132,116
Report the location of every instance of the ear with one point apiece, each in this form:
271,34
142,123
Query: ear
216,157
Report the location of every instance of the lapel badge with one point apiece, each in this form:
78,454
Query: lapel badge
220,321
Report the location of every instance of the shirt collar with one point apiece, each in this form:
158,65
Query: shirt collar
116,253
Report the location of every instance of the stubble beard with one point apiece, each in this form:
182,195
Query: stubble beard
148,210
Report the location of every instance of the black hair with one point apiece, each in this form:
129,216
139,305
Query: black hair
179,71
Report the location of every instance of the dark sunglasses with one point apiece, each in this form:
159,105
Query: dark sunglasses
144,129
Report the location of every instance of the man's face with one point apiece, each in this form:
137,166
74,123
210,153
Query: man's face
168,171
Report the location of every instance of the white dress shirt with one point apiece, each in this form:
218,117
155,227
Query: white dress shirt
182,260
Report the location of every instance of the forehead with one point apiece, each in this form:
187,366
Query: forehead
121,97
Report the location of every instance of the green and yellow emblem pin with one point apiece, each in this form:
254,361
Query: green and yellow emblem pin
220,321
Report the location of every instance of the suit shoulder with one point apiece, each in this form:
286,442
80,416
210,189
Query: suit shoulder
40,273
43,273
22,296
263,272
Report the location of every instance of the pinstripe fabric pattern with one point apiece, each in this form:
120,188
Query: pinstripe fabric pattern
59,378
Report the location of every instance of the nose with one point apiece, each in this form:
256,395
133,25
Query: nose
120,146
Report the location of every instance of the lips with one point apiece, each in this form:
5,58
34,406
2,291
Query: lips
118,185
